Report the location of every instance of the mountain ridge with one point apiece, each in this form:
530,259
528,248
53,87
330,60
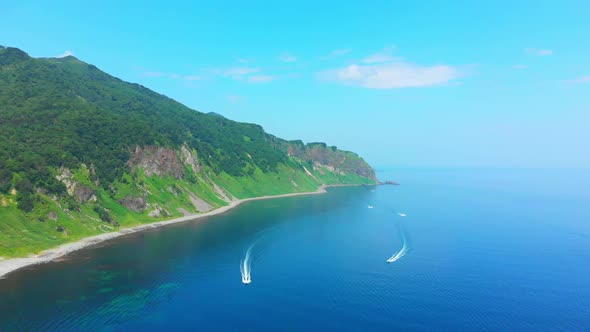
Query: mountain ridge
84,152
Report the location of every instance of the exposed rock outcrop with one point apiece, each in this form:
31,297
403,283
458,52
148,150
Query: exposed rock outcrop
93,176
184,212
157,160
83,194
66,176
188,158
329,157
199,204
80,192
173,190
137,204
158,212
52,215
309,173
226,196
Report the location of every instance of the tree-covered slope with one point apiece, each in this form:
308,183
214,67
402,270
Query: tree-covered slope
82,152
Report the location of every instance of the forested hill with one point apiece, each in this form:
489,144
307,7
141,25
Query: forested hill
78,143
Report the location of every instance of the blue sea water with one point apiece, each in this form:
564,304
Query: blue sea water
488,249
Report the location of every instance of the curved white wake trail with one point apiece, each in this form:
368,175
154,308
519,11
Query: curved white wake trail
246,266
250,258
398,254
402,252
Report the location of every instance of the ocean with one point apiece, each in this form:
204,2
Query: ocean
470,249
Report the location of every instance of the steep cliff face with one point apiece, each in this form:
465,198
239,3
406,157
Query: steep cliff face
320,154
157,160
189,158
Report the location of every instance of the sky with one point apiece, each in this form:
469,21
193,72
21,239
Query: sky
402,83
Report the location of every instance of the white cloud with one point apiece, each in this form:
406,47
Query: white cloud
286,57
193,78
538,51
244,74
579,80
260,78
384,56
393,75
238,73
520,66
378,58
65,54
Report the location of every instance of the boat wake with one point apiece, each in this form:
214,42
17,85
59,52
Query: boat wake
253,253
402,252
246,265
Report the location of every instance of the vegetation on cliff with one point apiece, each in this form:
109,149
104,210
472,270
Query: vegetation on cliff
82,152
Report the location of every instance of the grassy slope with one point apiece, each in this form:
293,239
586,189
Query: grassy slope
24,233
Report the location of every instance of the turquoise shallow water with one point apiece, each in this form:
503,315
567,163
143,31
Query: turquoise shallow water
487,250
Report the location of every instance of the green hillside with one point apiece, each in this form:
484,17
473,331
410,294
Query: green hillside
82,152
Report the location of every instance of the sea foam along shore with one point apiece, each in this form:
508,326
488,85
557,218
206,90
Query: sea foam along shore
12,264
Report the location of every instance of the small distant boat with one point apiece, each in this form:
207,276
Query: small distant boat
402,214
246,281
370,206
392,259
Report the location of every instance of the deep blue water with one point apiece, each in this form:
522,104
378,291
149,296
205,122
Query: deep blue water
488,250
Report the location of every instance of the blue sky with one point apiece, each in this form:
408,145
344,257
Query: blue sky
403,83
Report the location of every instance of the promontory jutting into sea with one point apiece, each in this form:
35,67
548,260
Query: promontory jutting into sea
294,166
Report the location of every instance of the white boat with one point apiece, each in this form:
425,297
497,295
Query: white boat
370,206
402,214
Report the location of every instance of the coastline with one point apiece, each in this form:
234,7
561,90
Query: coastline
12,264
